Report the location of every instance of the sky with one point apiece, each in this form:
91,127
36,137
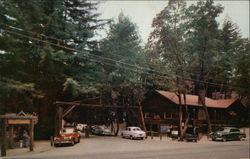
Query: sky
143,12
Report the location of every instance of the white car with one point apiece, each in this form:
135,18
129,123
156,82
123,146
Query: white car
133,133
81,127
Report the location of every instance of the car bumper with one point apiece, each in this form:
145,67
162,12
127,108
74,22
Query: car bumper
63,142
107,134
191,138
139,136
217,138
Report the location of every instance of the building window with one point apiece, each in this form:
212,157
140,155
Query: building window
167,115
157,116
232,113
149,115
175,113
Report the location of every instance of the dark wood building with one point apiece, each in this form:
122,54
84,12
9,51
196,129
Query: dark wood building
161,111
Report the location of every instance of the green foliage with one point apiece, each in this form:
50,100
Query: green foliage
188,43
123,83
47,54
204,33
34,41
224,60
241,71
70,88
16,96
168,41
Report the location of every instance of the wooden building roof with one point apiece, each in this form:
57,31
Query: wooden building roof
192,100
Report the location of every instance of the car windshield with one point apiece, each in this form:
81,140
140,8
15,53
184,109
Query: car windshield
106,130
136,129
234,130
67,131
221,129
190,130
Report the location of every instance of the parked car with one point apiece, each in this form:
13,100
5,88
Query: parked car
191,134
81,127
99,130
174,133
133,133
227,133
68,135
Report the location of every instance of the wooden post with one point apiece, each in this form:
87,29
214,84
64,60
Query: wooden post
51,141
31,133
117,127
87,131
142,118
201,100
180,117
215,119
151,132
3,146
60,117
11,133
160,129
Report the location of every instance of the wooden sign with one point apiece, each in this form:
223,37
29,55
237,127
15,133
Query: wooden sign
18,121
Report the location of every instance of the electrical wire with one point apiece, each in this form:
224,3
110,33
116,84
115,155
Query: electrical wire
149,64
60,40
124,63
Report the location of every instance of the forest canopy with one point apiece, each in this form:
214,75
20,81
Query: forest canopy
48,53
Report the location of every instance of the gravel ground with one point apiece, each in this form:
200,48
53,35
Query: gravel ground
98,146
115,147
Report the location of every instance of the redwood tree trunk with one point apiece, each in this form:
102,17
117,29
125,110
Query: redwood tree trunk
180,117
142,118
202,100
187,119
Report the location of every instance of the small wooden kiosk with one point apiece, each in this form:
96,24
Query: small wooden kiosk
9,120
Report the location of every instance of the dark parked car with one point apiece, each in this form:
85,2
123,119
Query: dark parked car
174,133
99,130
227,133
191,134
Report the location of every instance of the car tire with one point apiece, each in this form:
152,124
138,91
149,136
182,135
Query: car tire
131,137
72,142
241,138
55,145
76,140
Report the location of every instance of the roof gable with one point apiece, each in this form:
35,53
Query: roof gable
192,100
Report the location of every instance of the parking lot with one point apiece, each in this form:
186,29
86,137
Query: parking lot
98,147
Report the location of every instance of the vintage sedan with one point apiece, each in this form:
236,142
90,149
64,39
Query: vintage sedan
133,133
227,133
174,133
99,130
68,135
191,134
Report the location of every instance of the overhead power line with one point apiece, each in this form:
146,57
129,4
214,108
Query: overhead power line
60,40
86,57
125,57
163,74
